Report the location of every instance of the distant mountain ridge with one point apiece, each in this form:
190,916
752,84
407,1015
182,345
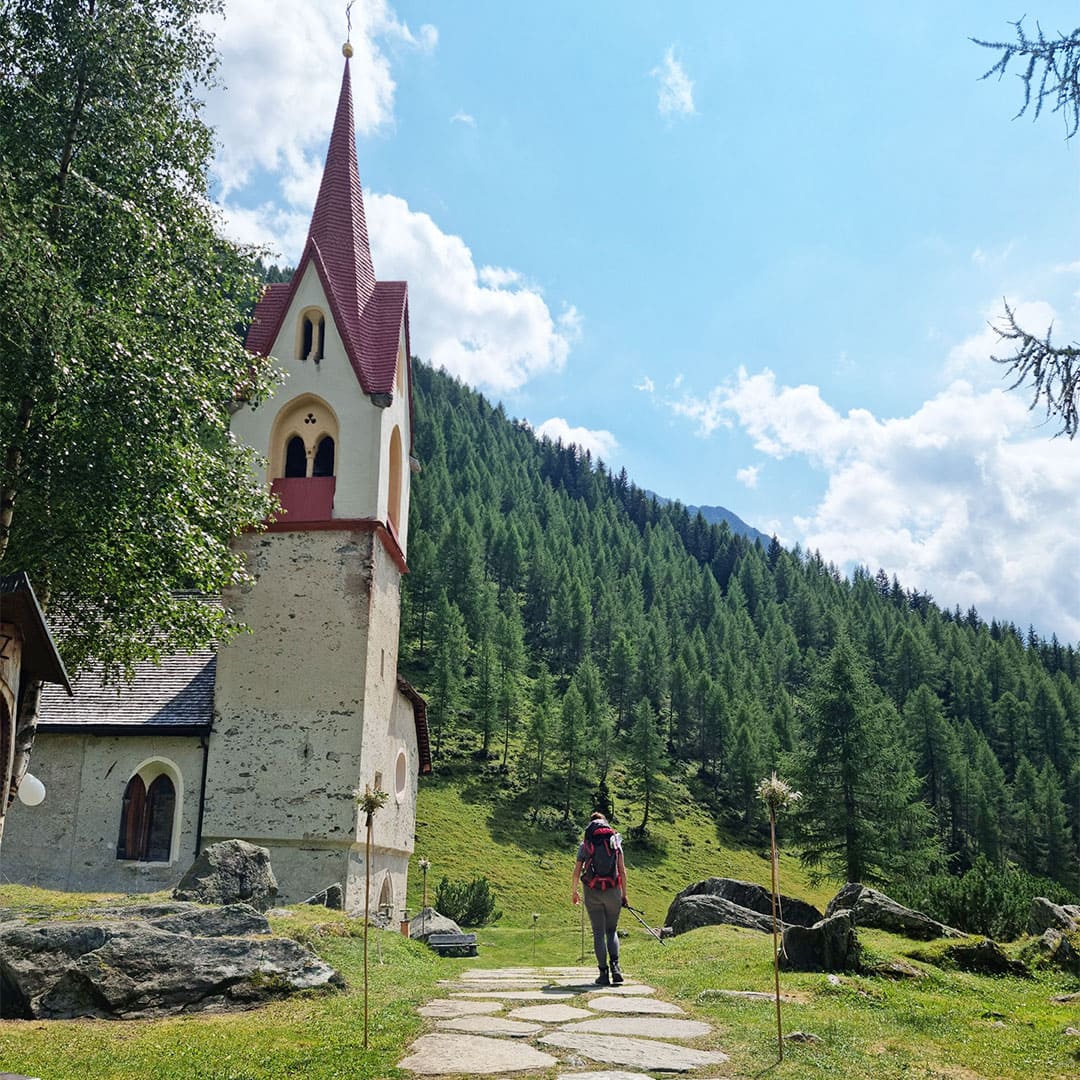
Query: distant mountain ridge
714,515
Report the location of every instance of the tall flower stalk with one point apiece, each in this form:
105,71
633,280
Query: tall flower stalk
425,866
777,794
369,801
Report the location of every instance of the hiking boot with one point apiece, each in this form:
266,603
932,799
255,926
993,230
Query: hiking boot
616,974
602,979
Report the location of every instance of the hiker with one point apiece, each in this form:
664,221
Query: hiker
600,866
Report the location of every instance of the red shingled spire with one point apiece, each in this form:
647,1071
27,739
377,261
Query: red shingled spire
338,227
370,316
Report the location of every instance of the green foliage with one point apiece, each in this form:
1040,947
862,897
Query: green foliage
468,903
622,600
987,899
860,816
119,309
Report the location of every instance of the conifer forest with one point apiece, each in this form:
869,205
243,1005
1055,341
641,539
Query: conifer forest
590,646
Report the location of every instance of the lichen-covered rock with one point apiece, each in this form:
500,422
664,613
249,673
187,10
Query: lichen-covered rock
754,898
1046,915
877,911
230,872
429,922
331,897
1056,948
828,945
984,957
128,968
693,912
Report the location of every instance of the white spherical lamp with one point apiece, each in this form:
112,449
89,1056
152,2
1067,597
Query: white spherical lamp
31,791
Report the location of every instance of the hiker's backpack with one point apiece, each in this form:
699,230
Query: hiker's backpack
601,869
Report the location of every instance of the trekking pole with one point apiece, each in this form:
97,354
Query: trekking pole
639,916
581,958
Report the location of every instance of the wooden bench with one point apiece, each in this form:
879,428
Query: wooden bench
453,944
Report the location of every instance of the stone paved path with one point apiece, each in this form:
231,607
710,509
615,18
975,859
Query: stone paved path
494,1021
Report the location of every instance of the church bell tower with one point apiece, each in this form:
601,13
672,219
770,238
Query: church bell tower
308,705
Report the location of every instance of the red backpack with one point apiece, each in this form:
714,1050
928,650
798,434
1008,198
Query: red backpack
601,868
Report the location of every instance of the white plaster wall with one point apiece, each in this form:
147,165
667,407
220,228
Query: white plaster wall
362,453
384,863
289,698
69,841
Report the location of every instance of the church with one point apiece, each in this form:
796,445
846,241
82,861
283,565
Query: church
267,738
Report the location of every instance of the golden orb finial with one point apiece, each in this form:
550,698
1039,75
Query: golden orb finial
347,50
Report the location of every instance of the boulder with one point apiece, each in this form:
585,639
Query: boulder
331,897
429,922
1057,949
829,945
230,872
692,912
877,911
1045,915
754,897
984,958
130,968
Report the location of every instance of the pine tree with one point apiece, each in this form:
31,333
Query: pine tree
572,742
450,645
538,735
860,817
647,760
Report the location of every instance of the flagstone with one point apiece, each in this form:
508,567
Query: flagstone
641,1053
630,989
446,1054
495,984
647,1027
448,1007
550,1014
516,995
610,1003
490,1025
607,1074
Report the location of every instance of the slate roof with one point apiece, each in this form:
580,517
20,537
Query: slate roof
368,314
176,695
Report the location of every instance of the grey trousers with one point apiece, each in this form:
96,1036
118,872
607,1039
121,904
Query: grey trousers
603,906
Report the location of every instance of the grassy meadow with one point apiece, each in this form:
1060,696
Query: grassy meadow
946,1025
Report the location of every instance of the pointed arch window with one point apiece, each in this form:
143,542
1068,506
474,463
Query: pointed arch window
393,504
323,464
312,332
147,819
295,457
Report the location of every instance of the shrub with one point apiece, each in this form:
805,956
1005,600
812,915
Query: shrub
468,903
988,899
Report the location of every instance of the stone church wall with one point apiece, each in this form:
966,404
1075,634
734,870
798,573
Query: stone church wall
69,841
290,702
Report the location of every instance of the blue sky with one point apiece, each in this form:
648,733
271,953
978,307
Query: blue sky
751,253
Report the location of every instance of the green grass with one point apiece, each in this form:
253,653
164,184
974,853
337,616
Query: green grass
945,1026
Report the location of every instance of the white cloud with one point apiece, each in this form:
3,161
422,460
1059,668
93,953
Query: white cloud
601,444
675,90
483,325
486,325
498,277
277,104
964,498
463,118
748,476
646,384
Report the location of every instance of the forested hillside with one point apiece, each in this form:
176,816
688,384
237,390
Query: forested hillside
590,643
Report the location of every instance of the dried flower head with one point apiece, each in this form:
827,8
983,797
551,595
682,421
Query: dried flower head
369,801
776,793
425,865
